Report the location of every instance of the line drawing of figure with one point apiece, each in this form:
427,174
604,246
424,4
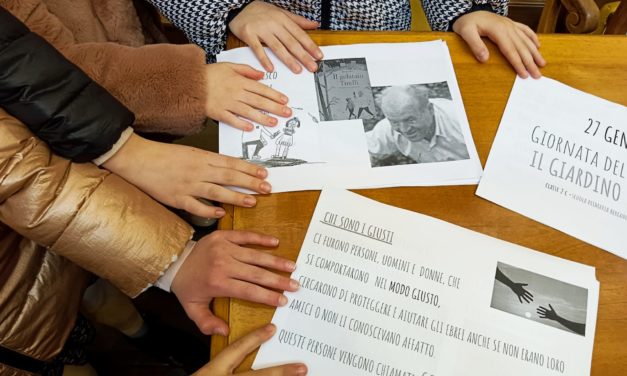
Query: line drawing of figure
286,139
363,102
350,107
258,137
517,288
550,314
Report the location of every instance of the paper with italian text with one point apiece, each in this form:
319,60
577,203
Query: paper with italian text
560,157
330,138
385,291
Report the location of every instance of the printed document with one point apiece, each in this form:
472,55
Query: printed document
385,291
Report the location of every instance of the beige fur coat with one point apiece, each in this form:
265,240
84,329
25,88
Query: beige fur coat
163,84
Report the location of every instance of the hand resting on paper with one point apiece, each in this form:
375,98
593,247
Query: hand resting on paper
221,266
230,358
517,288
234,95
176,175
550,314
517,42
280,30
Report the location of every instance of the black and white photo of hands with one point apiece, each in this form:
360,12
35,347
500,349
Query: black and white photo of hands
517,288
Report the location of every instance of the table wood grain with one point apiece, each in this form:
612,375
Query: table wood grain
594,64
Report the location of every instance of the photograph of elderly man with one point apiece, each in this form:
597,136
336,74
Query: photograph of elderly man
414,124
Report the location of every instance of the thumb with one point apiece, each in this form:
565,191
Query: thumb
248,71
478,48
303,22
206,322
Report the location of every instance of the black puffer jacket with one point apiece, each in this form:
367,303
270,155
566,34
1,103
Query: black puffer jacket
60,104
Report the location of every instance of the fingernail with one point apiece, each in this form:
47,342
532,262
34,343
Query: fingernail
312,67
294,285
270,328
284,99
265,187
249,201
249,127
275,242
287,111
222,332
220,212
301,371
483,56
291,265
282,301
319,55
272,121
262,173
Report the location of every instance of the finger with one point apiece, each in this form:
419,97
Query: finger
508,49
260,52
234,354
303,22
550,306
193,206
236,122
524,284
529,33
251,238
248,71
223,195
282,53
253,293
264,278
253,114
206,322
295,48
226,176
286,370
263,259
525,56
264,104
476,45
519,299
268,92
305,40
532,48
526,299
224,161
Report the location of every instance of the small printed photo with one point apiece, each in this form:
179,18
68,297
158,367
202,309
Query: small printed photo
343,89
540,298
414,124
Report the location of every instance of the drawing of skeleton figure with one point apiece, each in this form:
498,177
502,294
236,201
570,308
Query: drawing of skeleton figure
258,138
286,139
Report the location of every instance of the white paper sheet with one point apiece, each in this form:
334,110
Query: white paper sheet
385,291
560,157
329,147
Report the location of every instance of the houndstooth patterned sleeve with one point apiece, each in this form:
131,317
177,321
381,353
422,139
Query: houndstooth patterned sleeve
441,12
202,21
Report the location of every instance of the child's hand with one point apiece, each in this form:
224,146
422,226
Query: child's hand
219,266
230,358
518,43
233,91
281,31
175,175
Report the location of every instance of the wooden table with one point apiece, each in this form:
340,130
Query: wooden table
595,64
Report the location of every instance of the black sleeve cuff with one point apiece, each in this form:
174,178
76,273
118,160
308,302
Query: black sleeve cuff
474,8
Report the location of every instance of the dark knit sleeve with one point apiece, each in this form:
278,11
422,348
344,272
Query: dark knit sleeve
59,103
